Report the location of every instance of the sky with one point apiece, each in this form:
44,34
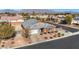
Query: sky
39,4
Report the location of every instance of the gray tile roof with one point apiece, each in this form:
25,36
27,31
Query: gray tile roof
41,25
34,24
29,23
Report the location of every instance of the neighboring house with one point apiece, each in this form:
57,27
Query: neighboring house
62,17
58,18
75,20
40,16
12,19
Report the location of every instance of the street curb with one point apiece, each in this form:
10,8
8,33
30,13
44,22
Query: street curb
46,40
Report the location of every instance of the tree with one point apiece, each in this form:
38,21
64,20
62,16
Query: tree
39,19
73,15
25,15
6,31
68,19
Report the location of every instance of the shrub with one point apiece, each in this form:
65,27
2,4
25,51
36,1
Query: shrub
6,31
68,19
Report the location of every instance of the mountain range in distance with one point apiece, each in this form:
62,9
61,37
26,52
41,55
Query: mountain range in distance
73,11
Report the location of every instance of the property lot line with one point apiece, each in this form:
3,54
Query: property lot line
47,40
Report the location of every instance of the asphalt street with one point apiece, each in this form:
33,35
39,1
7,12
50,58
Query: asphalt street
64,43
71,42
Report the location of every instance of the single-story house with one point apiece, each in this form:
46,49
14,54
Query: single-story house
12,19
36,28
40,16
57,18
75,20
